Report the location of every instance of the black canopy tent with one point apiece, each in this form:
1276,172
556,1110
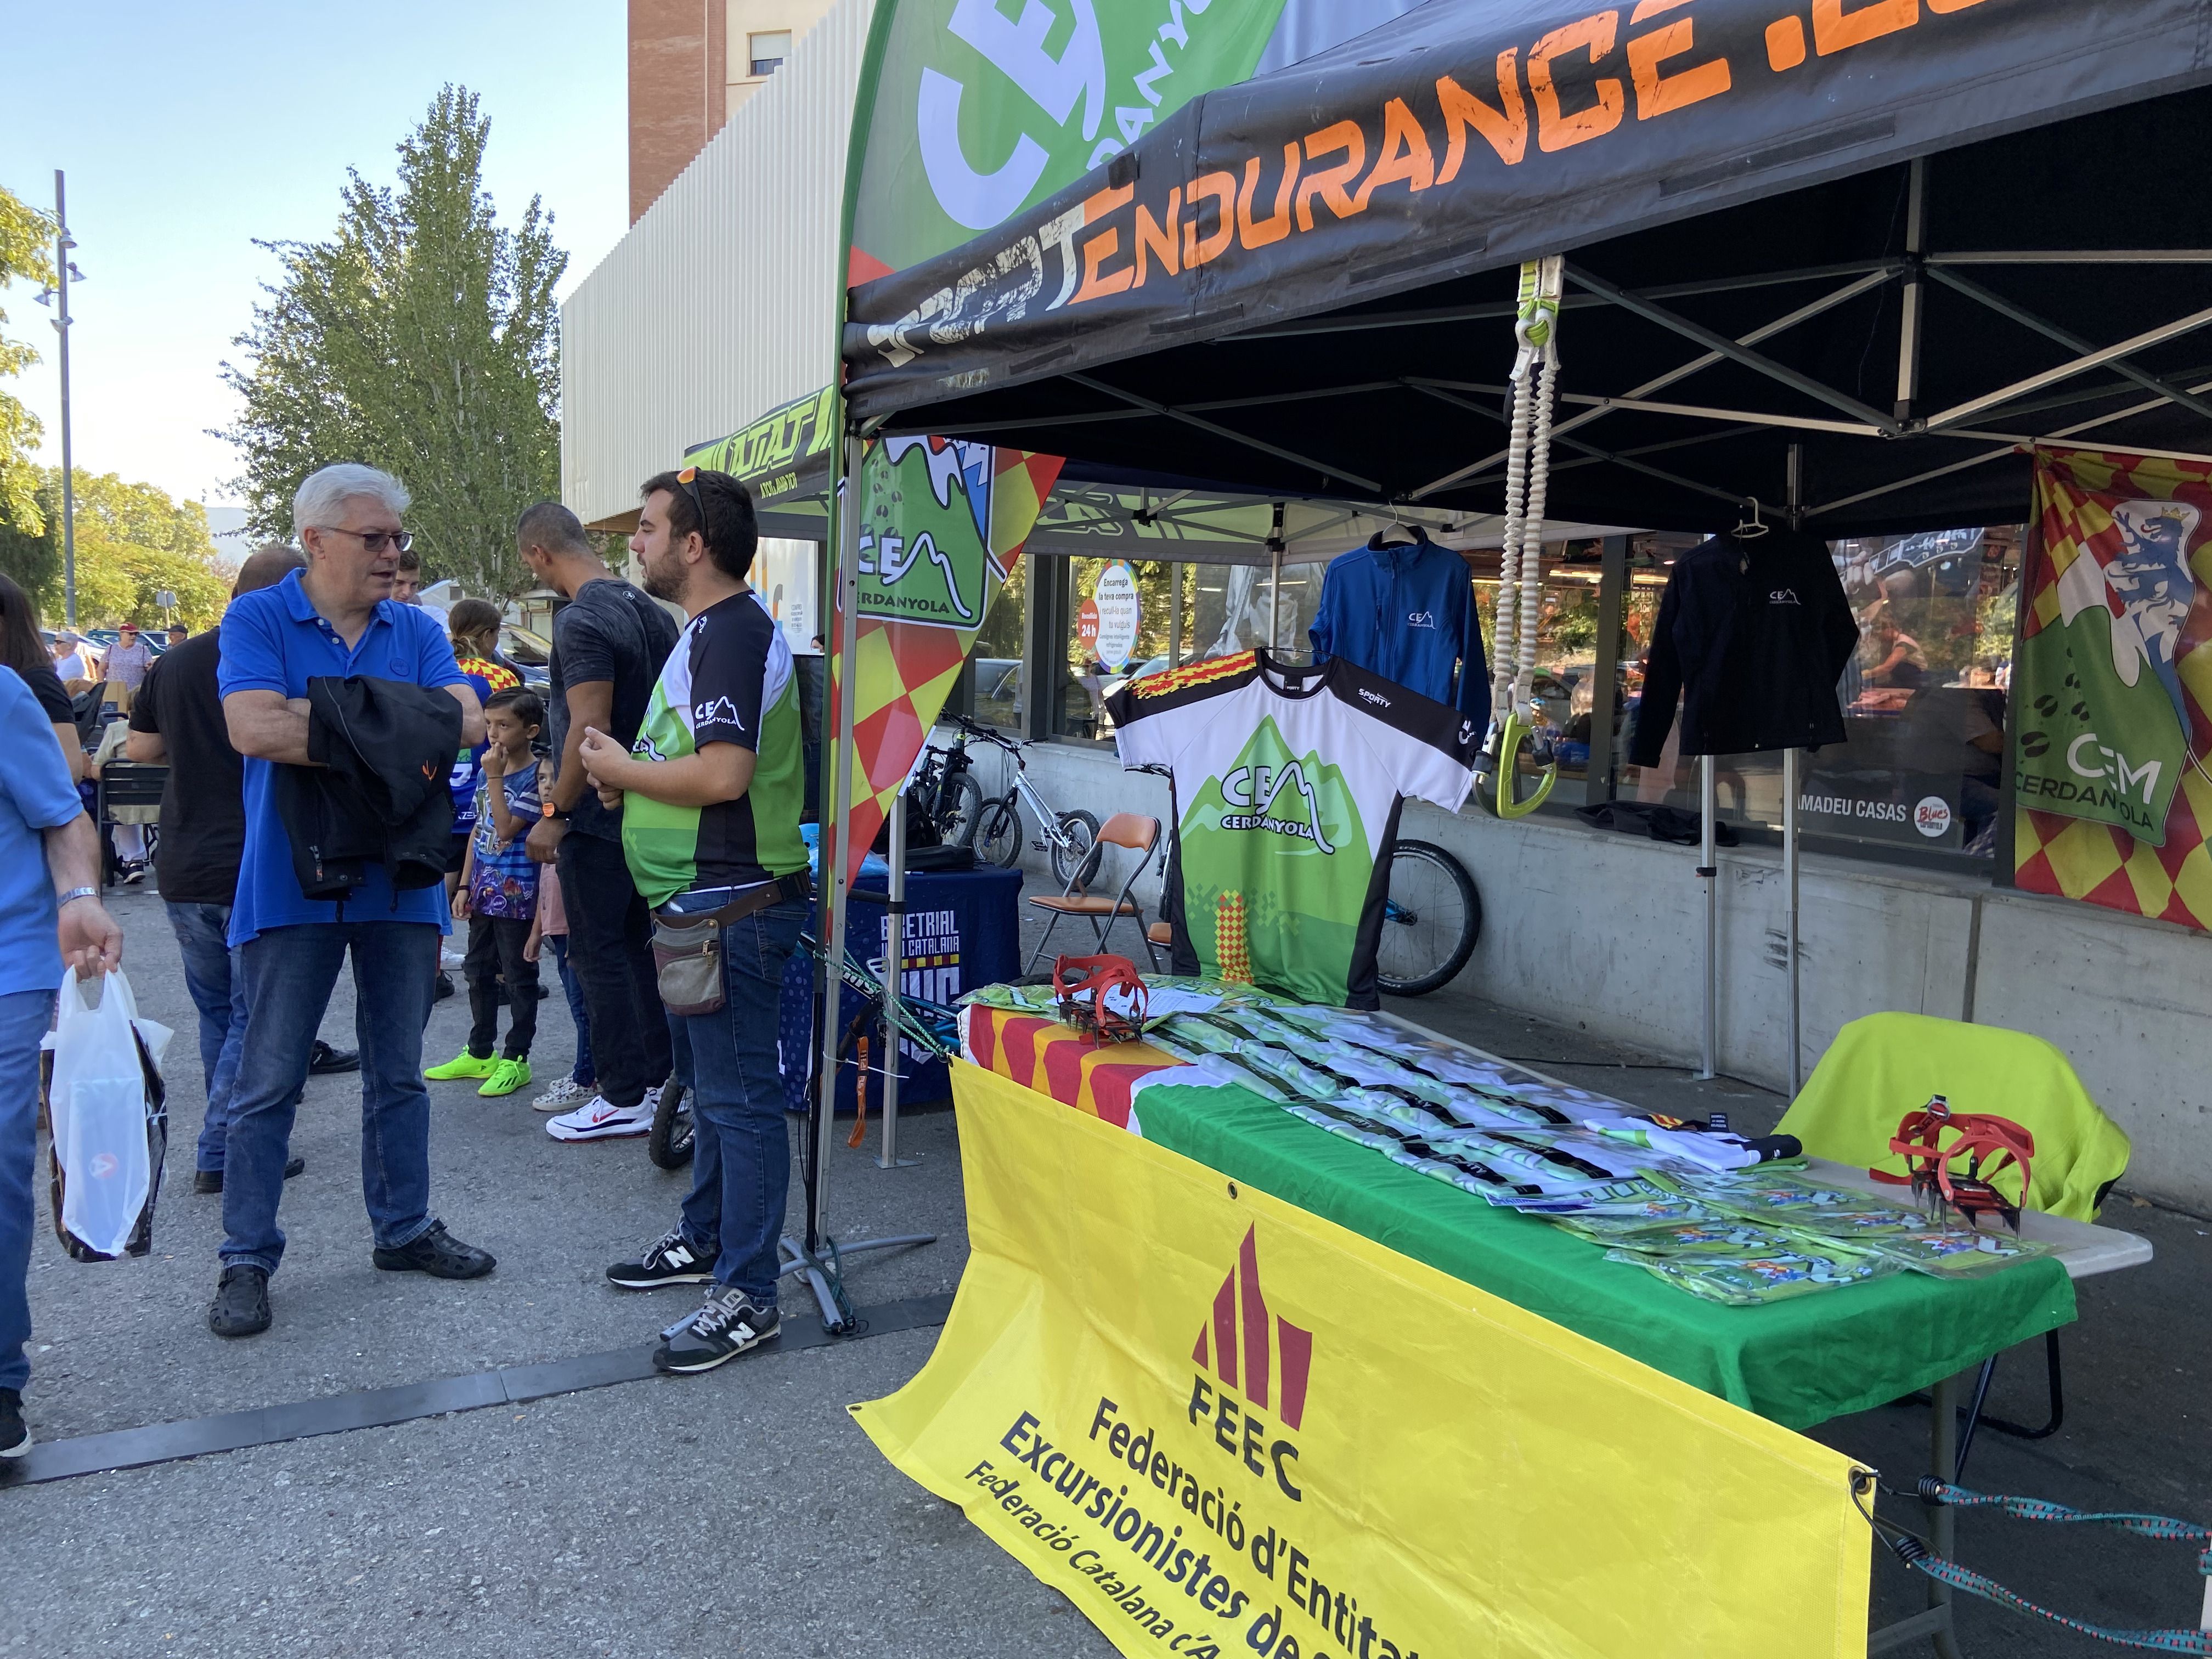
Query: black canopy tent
1906,235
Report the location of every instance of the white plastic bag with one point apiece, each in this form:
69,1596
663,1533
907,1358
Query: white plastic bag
105,1108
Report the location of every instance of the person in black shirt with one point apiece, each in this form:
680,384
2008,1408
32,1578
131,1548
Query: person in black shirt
178,718
24,650
609,644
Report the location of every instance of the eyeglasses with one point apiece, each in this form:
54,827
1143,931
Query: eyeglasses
375,540
689,478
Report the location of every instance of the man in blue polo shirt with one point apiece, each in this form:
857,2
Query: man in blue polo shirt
337,618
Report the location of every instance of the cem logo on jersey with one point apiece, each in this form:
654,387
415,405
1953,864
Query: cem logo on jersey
1783,596
1421,619
1258,789
720,712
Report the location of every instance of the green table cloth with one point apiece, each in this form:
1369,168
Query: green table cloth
1797,1363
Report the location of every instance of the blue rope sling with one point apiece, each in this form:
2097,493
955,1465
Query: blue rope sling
1914,1553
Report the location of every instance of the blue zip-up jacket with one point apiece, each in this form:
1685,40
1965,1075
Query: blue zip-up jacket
1407,613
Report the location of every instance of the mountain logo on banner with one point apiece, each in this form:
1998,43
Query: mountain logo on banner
1259,1355
934,566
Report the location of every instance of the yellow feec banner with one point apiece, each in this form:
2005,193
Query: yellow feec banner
1223,1426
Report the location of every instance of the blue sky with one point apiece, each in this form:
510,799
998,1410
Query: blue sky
189,130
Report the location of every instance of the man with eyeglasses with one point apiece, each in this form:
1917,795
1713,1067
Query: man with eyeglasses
335,618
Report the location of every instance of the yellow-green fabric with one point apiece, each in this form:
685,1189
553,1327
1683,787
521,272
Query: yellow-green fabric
1884,1066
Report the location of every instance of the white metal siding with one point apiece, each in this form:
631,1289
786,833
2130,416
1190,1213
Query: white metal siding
720,302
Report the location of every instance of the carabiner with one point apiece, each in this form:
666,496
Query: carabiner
1515,732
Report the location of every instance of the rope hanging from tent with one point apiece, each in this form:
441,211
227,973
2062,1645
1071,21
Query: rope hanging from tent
1520,587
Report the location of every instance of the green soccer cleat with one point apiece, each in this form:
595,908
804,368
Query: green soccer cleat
464,1064
506,1077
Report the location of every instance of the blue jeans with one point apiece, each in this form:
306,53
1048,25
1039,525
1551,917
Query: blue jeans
741,1171
218,991
581,1074
289,972
24,1019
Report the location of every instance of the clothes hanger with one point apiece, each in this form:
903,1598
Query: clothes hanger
1411,537
1753,527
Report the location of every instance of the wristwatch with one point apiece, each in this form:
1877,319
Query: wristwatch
549,809
75,894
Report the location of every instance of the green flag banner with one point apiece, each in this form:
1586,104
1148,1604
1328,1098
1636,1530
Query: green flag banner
2112,686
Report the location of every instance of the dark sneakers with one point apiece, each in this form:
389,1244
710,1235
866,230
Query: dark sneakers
667,1261
326,1061
241,1302
210,1181
724,1328
438,1254
15,1438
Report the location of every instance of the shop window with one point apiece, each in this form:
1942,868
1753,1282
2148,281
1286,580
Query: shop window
995,665
1924,698
766,51
1563,689
1183,612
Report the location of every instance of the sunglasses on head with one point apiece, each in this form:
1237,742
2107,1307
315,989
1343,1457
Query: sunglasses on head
689,479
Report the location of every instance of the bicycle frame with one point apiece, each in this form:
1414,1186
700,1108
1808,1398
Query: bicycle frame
1021,792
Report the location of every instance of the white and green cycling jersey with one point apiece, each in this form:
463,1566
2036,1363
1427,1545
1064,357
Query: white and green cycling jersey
729,680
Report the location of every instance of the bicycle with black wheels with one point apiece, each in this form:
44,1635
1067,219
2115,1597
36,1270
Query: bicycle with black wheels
1070,839
1431,918
945,792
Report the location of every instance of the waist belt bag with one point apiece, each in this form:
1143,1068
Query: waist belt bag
687,950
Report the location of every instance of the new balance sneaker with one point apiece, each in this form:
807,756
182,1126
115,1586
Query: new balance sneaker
464,1064
596,1119
506,1077
724,1328
667,1261
15,1437
565,1095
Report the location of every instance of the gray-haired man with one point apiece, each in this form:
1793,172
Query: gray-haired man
336,618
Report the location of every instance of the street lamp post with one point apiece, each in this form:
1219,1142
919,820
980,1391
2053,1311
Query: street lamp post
63,244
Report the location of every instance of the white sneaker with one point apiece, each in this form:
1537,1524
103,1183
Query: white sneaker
596,1120
563,1096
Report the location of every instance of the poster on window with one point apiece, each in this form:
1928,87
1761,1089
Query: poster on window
2113,691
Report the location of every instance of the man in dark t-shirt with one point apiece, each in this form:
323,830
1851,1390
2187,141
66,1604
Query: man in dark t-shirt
177,718
609,644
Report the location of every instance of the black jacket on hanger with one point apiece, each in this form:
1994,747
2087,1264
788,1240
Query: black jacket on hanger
1753,635
379,794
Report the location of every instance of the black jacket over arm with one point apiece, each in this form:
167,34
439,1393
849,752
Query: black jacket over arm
379,794
1754,637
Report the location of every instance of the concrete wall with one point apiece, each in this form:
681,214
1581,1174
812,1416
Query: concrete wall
1604,932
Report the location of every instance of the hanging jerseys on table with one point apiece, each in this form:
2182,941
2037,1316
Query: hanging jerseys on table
1288,781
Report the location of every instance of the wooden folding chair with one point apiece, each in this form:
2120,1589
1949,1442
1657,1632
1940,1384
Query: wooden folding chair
1138,835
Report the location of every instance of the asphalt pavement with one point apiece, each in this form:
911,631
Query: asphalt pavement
741,1512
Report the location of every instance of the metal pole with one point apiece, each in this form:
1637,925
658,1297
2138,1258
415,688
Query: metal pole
838,844
887,1156
1908,333
1175,614
1790,877
1795,486
62,246
1709,873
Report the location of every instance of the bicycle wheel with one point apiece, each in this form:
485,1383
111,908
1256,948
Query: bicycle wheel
1081,831
959,809
672,1140
998,834
1430,921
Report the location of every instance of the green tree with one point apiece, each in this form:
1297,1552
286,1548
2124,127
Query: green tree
133,542
26,238
423,338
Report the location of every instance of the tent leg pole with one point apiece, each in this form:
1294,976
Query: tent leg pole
1789,870
1709,873
887,1156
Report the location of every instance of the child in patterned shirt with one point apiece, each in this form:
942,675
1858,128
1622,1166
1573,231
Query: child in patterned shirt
498,897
